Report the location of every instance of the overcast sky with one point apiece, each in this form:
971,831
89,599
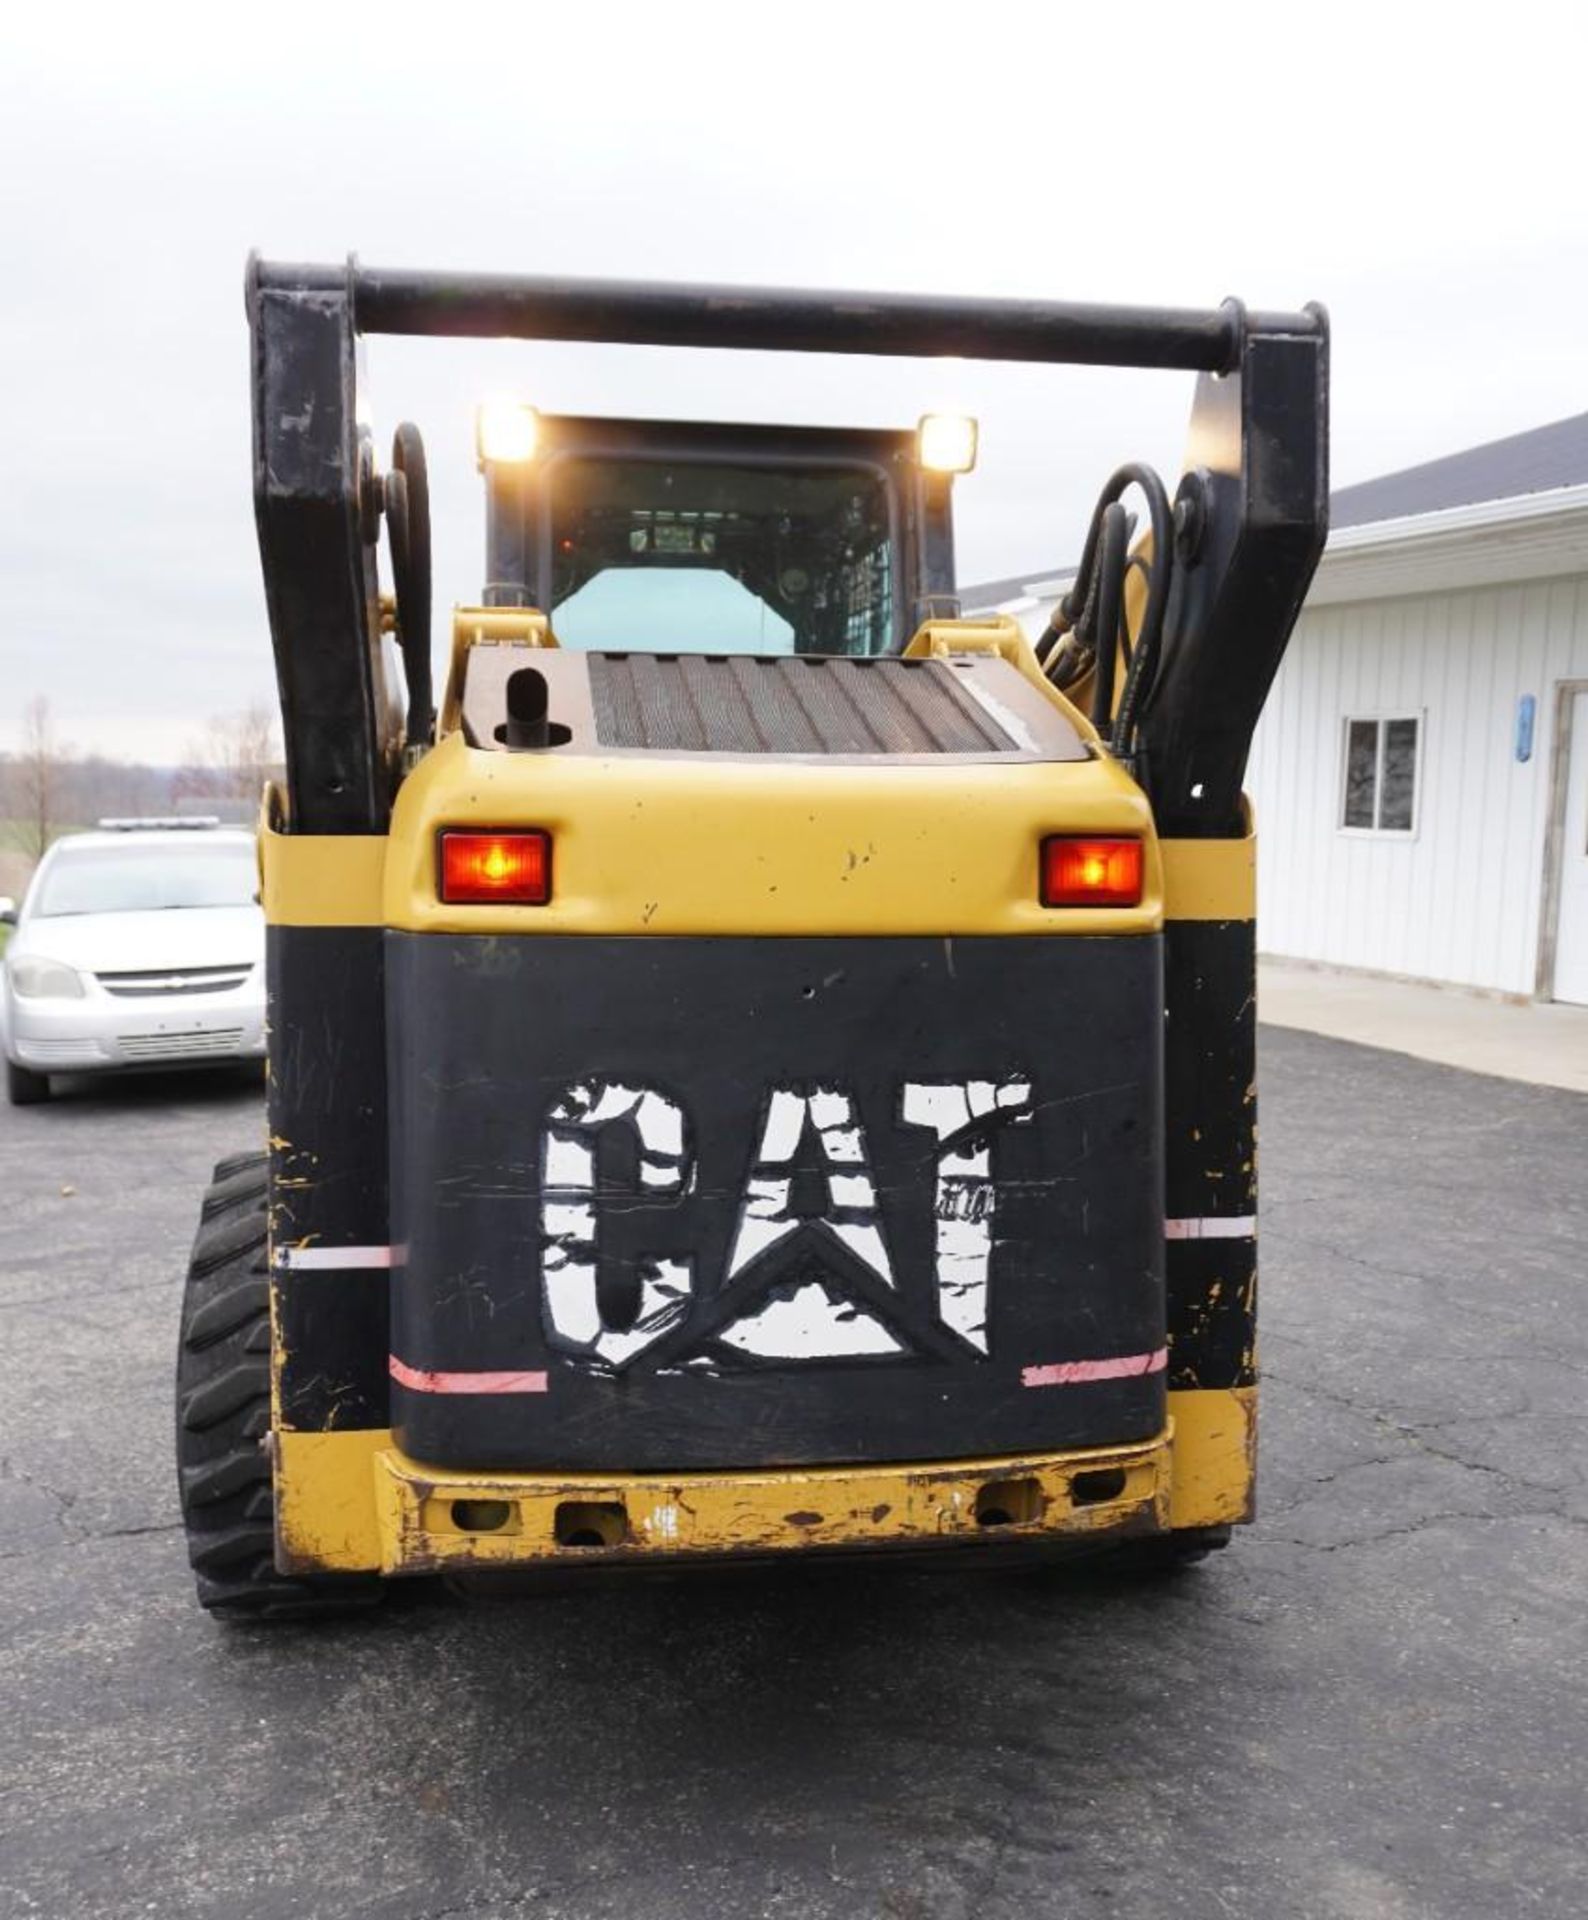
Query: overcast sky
1423,176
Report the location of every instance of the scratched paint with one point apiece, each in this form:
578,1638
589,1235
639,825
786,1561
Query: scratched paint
569,1230
812,1321
662,1522
720,1515
966,1201
809,1314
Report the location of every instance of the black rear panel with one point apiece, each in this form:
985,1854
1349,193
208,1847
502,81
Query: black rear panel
730,1203
708,703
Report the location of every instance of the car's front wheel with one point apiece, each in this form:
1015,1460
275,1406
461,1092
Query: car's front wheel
25,1088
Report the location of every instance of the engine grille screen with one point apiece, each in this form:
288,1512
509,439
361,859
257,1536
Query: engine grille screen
710,703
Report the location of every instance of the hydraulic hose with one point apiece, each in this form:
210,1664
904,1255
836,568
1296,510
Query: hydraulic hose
1112,559
1087,625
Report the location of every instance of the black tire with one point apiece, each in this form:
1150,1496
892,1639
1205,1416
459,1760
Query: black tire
223,1415
25,1088
253,1162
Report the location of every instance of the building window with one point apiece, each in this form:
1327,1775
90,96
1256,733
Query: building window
1379,777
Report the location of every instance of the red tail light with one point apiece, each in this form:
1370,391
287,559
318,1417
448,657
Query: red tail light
509,869
1091,873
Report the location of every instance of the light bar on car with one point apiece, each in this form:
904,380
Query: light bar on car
162,823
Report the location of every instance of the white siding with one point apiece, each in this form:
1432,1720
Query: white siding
1459,901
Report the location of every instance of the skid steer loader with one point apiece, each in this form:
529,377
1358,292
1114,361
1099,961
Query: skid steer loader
768,1069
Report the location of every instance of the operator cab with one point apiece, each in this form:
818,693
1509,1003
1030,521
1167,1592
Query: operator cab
669,537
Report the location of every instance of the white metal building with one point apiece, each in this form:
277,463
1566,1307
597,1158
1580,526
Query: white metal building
1420,774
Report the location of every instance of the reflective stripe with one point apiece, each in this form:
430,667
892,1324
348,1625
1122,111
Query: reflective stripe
301,1259
1076,1373
425,1382
1233,1226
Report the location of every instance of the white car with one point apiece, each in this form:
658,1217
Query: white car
141,945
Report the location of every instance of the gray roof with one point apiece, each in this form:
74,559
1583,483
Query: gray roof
993,593
1532,462
1522,463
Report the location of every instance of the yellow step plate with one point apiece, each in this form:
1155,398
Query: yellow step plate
430,1520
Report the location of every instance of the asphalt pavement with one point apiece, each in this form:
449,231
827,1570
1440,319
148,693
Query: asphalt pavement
1374,1705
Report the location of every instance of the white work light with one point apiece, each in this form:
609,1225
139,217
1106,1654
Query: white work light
948,442
505,432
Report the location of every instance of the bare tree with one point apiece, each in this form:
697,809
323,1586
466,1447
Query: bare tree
236,757
35,797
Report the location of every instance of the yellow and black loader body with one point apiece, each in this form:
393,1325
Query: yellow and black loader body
789,1168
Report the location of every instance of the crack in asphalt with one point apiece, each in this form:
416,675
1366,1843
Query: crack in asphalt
1409,1433
64,1503
1449,1302
1422,1525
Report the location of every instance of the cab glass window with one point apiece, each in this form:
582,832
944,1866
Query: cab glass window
703,557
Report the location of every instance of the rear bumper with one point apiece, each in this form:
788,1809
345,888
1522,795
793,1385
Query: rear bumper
351,1501
427,1520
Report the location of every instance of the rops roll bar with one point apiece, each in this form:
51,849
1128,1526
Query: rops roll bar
1251,511
782,319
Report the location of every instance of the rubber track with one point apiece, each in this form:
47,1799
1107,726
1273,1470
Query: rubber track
223,1413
